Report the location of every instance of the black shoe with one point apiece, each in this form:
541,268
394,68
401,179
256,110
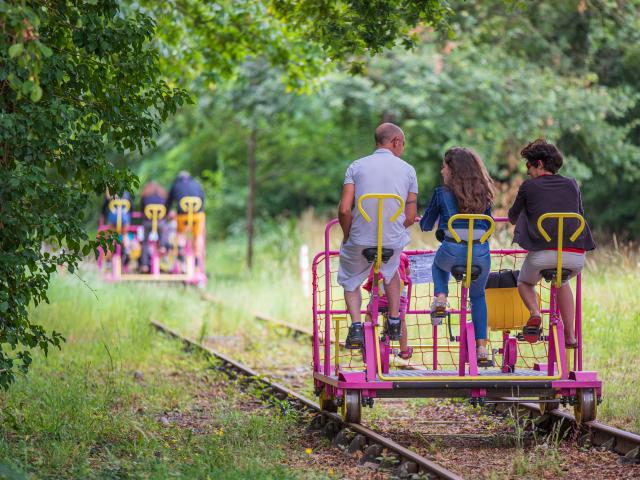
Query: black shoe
355,337
394,328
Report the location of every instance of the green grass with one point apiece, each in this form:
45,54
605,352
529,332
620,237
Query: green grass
85,411
611,302
81,412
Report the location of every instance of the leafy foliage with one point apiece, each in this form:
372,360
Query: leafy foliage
563,71
203,43
595,43
76,79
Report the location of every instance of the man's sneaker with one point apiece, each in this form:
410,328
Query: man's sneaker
355,337
394,328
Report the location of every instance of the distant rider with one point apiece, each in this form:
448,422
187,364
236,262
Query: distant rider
186,186
110,218
152,194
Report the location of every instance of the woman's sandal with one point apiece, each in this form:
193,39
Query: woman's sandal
438,307
406,354
531,331
482,356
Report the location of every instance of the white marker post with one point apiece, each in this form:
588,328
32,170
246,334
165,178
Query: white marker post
304,271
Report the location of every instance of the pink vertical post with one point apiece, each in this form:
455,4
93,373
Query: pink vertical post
116,261
562,349
463,332
577,359
316,333
435,346
155,259
554,318
369,332
327,302
471,349
550,347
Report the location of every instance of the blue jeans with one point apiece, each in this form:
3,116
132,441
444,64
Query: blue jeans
450,254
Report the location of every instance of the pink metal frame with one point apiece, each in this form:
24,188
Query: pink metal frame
332,378
198,277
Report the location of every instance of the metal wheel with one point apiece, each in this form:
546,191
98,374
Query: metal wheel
547,407
586,406
328,404
351,408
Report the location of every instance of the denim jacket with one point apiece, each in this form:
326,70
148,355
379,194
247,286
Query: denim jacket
444,205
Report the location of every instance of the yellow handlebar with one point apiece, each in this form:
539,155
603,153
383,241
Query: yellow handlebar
472,217
117,206
381,197
560,216
155,212
191,205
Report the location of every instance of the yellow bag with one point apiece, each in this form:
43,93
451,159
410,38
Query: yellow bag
505,308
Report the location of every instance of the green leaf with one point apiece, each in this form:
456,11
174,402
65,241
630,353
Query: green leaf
27,86
46,51
15,50
36,93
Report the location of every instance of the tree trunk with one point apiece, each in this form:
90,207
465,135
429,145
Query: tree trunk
251,161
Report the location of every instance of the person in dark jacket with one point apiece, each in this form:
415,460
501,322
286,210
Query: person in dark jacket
547,192
186,186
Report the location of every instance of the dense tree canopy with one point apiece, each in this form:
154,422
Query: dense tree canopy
76,80
511,73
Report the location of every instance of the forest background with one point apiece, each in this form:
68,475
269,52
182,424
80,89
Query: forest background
502,74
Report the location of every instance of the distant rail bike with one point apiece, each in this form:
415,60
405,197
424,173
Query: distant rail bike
170,260
444,360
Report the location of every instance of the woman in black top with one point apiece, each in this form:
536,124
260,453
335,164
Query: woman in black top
547,192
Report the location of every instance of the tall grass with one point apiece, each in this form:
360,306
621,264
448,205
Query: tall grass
93,409
611,302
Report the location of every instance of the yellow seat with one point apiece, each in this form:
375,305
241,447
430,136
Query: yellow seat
505,309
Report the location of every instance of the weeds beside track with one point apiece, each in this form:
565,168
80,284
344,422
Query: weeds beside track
412,462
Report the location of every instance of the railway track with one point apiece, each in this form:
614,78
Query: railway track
352,437
594,433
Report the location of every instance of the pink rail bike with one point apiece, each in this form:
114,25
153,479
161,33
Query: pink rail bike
187,273
444,363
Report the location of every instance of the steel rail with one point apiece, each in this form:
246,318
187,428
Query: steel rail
600,434
285,393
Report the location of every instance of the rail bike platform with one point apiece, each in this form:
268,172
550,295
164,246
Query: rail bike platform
174,263
443,363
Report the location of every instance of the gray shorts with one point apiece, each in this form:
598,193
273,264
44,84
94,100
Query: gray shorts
354,268
534,262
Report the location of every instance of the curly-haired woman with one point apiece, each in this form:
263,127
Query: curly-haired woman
467,189
546,192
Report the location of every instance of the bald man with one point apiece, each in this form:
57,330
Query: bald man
381,172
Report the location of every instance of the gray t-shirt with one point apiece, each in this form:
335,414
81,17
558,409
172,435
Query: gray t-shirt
381,172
